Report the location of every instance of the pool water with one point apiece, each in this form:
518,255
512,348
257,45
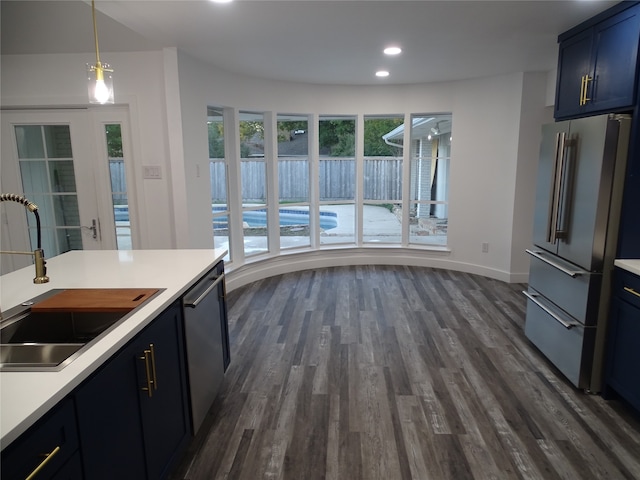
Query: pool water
258,218
254,218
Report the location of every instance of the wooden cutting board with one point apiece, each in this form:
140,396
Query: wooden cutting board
95,300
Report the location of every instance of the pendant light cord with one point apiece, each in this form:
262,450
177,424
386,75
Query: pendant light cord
95,32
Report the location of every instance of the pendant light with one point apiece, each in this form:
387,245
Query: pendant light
100,75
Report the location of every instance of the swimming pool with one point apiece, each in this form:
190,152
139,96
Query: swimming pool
258,218
253,218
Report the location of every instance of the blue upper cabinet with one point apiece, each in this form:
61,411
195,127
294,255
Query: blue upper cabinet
597,63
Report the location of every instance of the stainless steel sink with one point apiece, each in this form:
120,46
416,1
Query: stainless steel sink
37,357
49,341
56,327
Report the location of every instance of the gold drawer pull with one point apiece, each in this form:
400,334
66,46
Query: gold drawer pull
631,291
153,366
148,388
48,456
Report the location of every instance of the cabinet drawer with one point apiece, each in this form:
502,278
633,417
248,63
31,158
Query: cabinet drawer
569,349
50,443
627,287
578,296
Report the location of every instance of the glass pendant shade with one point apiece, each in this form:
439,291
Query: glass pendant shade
100,83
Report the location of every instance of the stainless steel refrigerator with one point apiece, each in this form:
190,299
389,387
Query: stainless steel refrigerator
578,197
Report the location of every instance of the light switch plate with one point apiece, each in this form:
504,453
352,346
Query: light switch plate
151,172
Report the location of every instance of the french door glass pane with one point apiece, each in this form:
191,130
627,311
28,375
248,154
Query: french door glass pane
218,179
58,141
62,175
48,179
118,177
29,141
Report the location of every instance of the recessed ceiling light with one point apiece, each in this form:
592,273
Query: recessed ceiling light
382,73
222,1
392,50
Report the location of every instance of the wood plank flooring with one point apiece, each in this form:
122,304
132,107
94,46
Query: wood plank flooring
395,372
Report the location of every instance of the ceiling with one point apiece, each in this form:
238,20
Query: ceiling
325,42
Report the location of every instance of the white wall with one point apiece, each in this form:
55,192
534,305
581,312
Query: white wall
495,128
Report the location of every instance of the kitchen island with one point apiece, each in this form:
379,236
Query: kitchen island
26,396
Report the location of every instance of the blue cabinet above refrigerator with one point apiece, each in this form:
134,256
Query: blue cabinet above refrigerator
597,64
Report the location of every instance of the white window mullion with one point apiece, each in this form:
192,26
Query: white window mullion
271,164
359,187
234,195
406,179
314,179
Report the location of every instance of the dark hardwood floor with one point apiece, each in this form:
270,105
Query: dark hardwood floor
392,372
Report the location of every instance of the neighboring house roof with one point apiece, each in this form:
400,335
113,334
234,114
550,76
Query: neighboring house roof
421,128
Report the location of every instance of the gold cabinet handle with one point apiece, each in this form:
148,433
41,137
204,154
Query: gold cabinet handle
149,387
584,89
587,79
48,456
153,366
631,291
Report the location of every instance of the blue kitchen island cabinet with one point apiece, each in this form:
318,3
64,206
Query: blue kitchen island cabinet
597,63
133,416
623,346
48,450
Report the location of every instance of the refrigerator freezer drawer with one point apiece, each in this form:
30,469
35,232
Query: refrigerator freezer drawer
575,291
569,349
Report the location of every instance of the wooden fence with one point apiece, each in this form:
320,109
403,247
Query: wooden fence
382,179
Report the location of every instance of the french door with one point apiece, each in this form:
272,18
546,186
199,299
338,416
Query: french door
55,158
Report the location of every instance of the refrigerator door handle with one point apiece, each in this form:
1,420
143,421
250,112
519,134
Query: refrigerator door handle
551,313
539,255
554,231
554,200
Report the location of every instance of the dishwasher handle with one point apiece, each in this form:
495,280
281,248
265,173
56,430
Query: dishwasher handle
195,303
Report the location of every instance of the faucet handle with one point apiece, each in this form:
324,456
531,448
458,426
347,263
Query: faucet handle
41,269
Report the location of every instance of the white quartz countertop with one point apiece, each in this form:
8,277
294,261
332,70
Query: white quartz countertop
26,396
630,265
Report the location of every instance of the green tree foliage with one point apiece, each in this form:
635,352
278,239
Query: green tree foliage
215,131
374,129
337,137
250,129
114,141
286,129
249,132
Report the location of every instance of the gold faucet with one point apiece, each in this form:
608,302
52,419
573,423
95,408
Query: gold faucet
38,253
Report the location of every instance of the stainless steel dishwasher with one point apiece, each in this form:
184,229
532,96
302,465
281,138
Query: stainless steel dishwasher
205,329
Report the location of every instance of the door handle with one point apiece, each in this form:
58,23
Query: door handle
95,229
